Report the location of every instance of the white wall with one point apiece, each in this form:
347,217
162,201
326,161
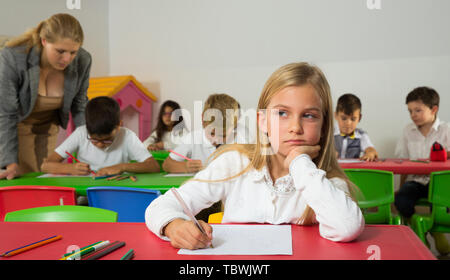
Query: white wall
187,49
17,16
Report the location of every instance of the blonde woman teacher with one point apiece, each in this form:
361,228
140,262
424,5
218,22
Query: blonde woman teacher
44,75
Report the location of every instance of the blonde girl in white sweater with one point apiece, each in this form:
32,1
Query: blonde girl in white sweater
290,175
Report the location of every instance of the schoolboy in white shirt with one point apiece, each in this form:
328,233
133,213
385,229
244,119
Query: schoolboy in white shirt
101,145
416,142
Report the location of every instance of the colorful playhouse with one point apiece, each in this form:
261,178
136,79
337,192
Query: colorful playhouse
134,99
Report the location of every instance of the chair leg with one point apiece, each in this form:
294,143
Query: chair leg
396,220
418,225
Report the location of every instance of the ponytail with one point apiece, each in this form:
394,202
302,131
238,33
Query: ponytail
58,26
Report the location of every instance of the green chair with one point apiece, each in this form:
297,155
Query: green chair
65,213
160,156
377,188
439,218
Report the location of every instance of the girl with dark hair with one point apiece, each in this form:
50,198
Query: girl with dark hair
169,129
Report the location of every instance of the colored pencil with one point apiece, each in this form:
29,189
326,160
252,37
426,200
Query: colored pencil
75,159
73,252
112,247
114,177
185,157
133,178
122,178
32,245
128,256
188,211
104,177
83,252
418,160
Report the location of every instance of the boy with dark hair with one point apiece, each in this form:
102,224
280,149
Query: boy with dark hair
416,142
349,141
101,145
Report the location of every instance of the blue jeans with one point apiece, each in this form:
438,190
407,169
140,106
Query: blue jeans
407,197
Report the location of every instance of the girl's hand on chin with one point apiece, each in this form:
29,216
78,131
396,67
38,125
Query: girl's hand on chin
312,151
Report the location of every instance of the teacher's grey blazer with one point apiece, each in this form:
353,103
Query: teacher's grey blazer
19,82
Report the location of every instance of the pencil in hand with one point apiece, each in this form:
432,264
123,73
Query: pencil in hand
75,159
180,155
188,212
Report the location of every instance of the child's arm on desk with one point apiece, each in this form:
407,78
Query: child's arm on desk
150,165
172,166
54,165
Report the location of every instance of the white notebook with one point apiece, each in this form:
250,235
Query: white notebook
247,240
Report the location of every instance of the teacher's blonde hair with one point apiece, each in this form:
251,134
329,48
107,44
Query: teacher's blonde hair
57,27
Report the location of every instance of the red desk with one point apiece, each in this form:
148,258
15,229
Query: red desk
394,242
401,166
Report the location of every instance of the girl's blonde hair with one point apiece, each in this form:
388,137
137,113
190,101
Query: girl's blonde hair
295,74
228,109
58,26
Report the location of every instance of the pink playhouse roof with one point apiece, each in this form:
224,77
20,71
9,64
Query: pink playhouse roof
109,86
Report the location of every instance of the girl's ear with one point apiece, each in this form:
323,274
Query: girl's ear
262,121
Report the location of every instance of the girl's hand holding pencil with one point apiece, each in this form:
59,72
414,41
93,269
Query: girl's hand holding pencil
185,234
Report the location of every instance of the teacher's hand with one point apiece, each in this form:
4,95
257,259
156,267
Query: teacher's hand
11,171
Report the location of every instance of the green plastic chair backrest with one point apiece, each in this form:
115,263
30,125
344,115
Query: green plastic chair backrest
439,196
65,213
377,188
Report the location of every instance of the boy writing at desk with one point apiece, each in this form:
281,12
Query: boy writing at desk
416,142
351,142
102,144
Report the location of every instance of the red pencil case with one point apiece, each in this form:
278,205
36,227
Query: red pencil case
438,153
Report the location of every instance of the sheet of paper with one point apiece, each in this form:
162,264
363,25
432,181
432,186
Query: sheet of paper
61,175
247,240
180,175
349,160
